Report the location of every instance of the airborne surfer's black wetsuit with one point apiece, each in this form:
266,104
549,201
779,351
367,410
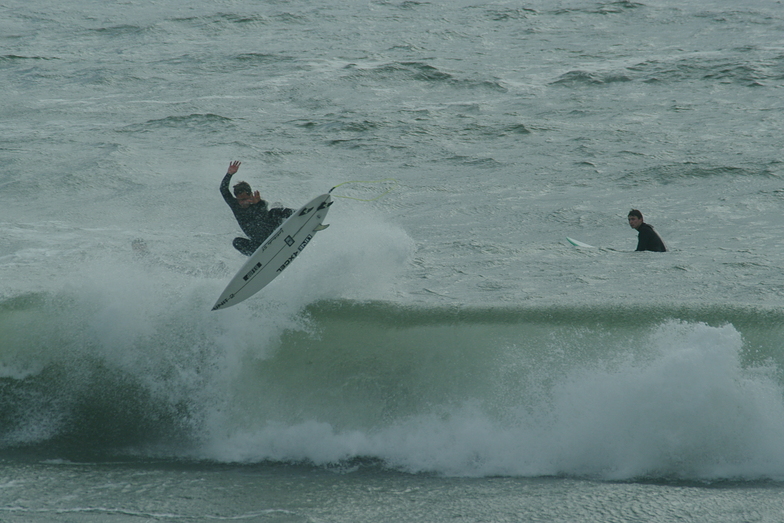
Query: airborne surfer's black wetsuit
649,240
257,220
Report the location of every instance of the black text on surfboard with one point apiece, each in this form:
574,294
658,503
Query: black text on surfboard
252,271
299,250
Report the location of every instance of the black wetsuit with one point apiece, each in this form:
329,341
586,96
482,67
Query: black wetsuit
257,220
649,240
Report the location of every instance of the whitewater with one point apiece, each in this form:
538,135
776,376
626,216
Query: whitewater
440,352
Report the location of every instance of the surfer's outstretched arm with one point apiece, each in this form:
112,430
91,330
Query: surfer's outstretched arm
224,186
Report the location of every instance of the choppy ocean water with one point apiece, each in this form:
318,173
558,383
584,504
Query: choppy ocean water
438,353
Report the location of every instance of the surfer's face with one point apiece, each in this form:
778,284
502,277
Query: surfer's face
244,199
635,222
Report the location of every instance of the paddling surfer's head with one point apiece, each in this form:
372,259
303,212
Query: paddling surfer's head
635,219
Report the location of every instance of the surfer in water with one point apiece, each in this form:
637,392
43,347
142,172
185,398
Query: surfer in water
253,214
647,238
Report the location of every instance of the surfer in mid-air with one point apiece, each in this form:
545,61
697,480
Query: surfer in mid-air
253,214
647,239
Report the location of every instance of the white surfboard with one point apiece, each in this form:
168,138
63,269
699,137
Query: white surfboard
578,243
276,253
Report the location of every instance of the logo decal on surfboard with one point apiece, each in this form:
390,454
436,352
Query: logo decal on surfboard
252,271
295,254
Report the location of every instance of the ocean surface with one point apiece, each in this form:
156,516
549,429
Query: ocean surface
441,352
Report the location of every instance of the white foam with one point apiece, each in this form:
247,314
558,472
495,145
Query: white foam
689,409
360,256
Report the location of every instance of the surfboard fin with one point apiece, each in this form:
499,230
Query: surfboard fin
321,227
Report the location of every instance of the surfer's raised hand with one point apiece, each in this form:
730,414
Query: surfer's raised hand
256,197
234,167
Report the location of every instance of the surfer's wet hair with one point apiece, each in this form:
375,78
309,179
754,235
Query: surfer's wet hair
636,213
242,188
